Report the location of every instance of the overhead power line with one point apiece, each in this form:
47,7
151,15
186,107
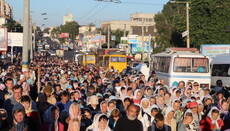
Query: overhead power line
97,11
134,3
90,10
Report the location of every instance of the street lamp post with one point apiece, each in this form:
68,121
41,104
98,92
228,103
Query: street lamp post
187,20
25,61
142,39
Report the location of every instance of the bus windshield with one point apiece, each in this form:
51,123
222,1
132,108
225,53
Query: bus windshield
90,58
117,59
185,64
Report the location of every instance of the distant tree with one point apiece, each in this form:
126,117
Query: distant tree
90,26
56,32
13,26
208,22
170,23
46,30
118,34
70,27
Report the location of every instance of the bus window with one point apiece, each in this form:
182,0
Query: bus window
118,59
90,58
182,64
200,65
191,65
100,60
106,61
220,70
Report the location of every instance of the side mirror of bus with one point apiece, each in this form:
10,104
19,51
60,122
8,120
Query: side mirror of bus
228,71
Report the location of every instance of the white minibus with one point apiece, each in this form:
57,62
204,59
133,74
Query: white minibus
181,64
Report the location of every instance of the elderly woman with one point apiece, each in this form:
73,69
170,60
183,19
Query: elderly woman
169,120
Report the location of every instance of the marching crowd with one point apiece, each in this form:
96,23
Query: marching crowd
59,95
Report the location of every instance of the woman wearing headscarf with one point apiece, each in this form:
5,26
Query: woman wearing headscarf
187,93
74,120
103,107
102,123
93,125
169,120
93,104
51,122
137,96
154,110
145,112
19,119
4,123
148,92
32,114
212,121
188,123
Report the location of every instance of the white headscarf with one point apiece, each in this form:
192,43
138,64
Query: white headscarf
71,115
210,116
146,110
96,124
168,110
135,94
93,100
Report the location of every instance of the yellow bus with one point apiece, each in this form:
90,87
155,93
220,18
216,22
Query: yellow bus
117,62
89,59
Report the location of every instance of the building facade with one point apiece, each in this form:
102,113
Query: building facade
6,11
68,18
134,25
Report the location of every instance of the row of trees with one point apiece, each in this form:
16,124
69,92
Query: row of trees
209,24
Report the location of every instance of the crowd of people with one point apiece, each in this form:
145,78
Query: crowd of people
58,95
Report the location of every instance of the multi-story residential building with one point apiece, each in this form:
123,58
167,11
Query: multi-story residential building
68,18
6,10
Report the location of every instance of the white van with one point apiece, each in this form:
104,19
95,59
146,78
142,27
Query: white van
220,67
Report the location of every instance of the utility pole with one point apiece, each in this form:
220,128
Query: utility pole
142,39
187,20
124,35
34,43
25,62
30,40
108,37
187,24
149,47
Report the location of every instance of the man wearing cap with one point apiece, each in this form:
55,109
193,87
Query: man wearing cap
48,92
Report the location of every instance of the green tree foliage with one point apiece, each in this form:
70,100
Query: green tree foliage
170,23
70,27
208,22
55,33
118,34
46,30
13,26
